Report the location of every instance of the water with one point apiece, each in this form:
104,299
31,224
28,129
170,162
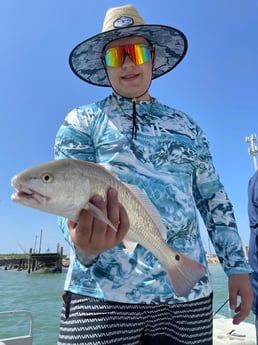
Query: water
40,293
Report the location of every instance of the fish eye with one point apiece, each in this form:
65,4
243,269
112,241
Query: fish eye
46,177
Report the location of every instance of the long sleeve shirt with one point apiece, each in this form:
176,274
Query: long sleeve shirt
170,160
253,243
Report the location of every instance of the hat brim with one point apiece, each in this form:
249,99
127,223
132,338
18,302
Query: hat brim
170,45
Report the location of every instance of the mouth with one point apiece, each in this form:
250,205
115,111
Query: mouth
130,76
21,194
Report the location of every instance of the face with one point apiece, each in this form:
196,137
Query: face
130,80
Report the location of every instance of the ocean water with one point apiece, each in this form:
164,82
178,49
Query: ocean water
40,293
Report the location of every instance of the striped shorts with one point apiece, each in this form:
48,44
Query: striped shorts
91,321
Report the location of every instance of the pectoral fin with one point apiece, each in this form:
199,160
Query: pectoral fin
95,212
130,246
149,206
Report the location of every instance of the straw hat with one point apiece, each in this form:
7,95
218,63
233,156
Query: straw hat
170,45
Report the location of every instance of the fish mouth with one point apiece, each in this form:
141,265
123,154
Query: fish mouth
23,193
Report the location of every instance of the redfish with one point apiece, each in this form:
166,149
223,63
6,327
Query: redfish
64,187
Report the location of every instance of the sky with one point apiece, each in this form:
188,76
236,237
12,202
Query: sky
216,84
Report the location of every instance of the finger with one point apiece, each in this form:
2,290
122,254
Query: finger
71,225
243,309
232,300
99,227
233,287
117,215
239,317
113,208
81,231
124,224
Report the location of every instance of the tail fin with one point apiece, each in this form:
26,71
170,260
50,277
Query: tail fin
184,273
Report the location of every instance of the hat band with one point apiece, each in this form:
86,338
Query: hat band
139,53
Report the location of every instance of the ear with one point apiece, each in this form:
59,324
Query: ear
153,58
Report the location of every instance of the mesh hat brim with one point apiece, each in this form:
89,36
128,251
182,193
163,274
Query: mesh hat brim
170,46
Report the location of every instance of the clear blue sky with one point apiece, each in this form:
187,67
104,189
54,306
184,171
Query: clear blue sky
216,84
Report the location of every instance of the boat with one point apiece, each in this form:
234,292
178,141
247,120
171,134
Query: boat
23,339
225,333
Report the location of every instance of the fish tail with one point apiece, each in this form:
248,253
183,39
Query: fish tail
184,273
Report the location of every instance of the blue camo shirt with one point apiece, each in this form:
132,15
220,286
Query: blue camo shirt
170,160
253,243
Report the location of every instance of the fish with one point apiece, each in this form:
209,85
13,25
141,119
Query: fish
64,187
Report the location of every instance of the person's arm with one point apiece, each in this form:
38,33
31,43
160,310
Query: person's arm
218,215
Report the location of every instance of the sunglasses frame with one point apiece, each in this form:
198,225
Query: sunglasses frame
148,46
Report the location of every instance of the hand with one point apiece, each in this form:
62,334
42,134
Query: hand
239,285
91,235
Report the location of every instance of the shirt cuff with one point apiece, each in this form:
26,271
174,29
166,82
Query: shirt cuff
84,258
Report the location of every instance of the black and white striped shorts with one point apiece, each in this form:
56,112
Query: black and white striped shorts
92,321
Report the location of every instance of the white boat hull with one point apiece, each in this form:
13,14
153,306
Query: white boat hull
225,333
22,339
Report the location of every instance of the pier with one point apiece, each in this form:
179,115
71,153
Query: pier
49,262
32,261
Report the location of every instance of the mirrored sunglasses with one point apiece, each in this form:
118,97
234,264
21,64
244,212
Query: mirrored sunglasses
138,53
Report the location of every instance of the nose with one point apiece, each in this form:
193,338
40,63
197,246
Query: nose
127,60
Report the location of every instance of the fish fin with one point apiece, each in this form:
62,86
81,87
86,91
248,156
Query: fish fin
130,246
95,212
151,209
185,273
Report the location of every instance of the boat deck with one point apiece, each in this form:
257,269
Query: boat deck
225,333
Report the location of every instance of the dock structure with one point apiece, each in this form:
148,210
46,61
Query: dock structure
34,261
13,262
49,262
